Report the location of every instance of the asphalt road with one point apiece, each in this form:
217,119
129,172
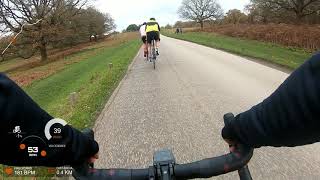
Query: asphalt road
180,106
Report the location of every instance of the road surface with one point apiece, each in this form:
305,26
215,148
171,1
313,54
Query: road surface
180,105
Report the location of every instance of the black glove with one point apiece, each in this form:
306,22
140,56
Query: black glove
83,168
228,132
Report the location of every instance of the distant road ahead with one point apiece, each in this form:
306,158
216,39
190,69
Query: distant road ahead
181,104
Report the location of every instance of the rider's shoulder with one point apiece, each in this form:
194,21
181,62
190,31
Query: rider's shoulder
5,82
315,61
316,55
3,77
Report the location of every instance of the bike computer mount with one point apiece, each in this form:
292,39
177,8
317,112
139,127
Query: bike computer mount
163,162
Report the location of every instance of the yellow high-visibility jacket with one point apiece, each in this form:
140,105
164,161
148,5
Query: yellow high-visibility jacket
152,26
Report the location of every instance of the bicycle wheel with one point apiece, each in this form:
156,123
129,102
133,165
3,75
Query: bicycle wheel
147,54
154,56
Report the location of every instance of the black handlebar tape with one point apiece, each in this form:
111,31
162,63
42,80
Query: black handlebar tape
214,166
115,174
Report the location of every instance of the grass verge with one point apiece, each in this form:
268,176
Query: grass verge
284,56
91,79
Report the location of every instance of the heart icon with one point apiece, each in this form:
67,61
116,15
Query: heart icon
8,171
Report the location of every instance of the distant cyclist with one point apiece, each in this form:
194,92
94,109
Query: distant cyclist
153,33
144,38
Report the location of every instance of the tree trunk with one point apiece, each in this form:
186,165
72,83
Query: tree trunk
264,20
300,17
201,23
299,11
43,49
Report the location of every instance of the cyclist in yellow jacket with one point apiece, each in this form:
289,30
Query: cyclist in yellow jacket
153,33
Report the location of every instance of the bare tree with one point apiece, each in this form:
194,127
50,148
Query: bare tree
46,17
300,8
200,10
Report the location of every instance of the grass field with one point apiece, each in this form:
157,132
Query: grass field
87,73
288,57
90,79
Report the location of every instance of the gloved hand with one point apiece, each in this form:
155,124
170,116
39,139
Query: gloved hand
89,133
83,168
228,133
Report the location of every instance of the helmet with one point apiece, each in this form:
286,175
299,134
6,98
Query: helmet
152,19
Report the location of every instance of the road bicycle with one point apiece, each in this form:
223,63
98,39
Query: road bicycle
165,167
152,54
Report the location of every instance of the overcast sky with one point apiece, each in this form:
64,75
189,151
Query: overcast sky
127,12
